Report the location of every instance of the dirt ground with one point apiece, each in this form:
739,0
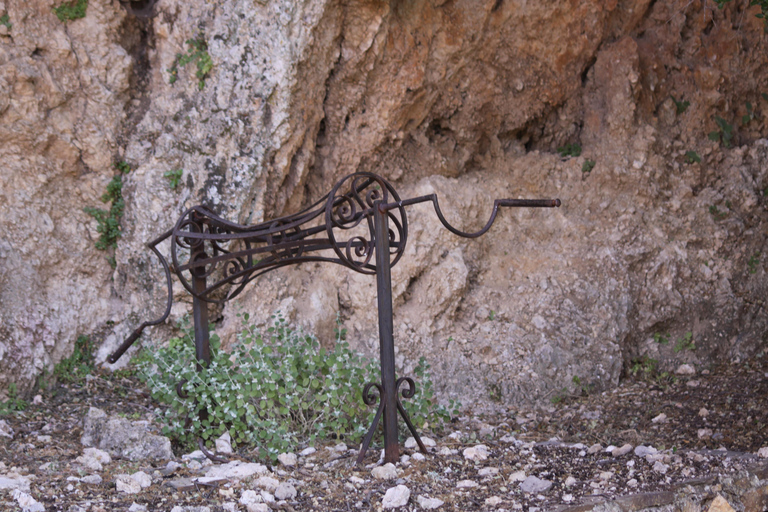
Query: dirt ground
707,418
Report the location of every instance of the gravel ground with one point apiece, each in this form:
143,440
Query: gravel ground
645,438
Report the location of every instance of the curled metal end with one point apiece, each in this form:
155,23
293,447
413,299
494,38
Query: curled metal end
410,390
180,389
557,203
211,456
370,398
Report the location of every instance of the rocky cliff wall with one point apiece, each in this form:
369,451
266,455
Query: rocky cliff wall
467,99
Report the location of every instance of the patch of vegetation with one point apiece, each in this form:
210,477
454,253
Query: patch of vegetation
716,213
13,403
197,53
681,106
174,177
71,10
644,367
754,262
78,365
685,343
661,339
750,115
109,220
6,20
692,157
588,165
723,134
492,315
270,394
569,150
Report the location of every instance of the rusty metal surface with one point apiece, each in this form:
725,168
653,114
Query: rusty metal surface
360,224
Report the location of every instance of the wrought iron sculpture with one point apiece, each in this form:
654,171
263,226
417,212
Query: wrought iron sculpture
361,224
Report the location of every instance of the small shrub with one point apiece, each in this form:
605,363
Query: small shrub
71,10
271,395
692,157
685,343
13,403
681,106
197,53
716,213
6,20
588,165
643,367
109,220
723,134
174,177
569,150
754,262
661,339
75,367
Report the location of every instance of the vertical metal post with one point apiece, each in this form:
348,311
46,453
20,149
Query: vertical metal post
200,311
386,338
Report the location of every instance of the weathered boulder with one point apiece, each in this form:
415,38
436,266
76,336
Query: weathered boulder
123,438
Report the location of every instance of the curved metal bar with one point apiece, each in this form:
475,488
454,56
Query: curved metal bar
130,340
528,203
408,393
370,399
210,455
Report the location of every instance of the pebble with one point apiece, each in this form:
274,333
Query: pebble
660,467
411,443
5,429
632,482
720,504
703,412
356,480
492,501
517,476
704,433
285,491
236,470
467,484
287,459
386,472
594,449
249,497
37,400
306,452
763,452
618,452
685,369
418,456
27,502
478,452
267,483
570,481
429,503
125,483
661,418
445,451
224,444
396,497
508,439
341,448
488,471
533,484
135,507
91,479
642,451
143,479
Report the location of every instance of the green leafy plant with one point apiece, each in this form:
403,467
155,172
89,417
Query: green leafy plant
588,165
643,367
661,339
724,133
75,367
174,177
692,157
270,394
685,343
716,213
423,407
6,20
492,315
123,166
681,106
71,10
754,262
13,403
569,150
750,115
197,53
109,220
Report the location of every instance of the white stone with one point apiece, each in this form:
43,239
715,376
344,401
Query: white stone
14,481
661,418
341,447
126,484
429,503
619,452
236,470
642,451
488,471
446,452
535,485
763,452
224,444
356,480
570,481
703,412
91,479
306,452
285,491
287,459
704,433
594,449
632,482
258,507
517,476
249,496
405,459
685,369
418,456
476,453
27,502
428,442
143,479
386,472
135,507
5,429
660,467
492,501
267,483
396,497
466,484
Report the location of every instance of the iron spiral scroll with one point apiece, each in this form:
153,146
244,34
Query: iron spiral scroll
360,224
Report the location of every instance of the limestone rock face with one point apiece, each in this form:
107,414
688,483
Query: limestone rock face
469,100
